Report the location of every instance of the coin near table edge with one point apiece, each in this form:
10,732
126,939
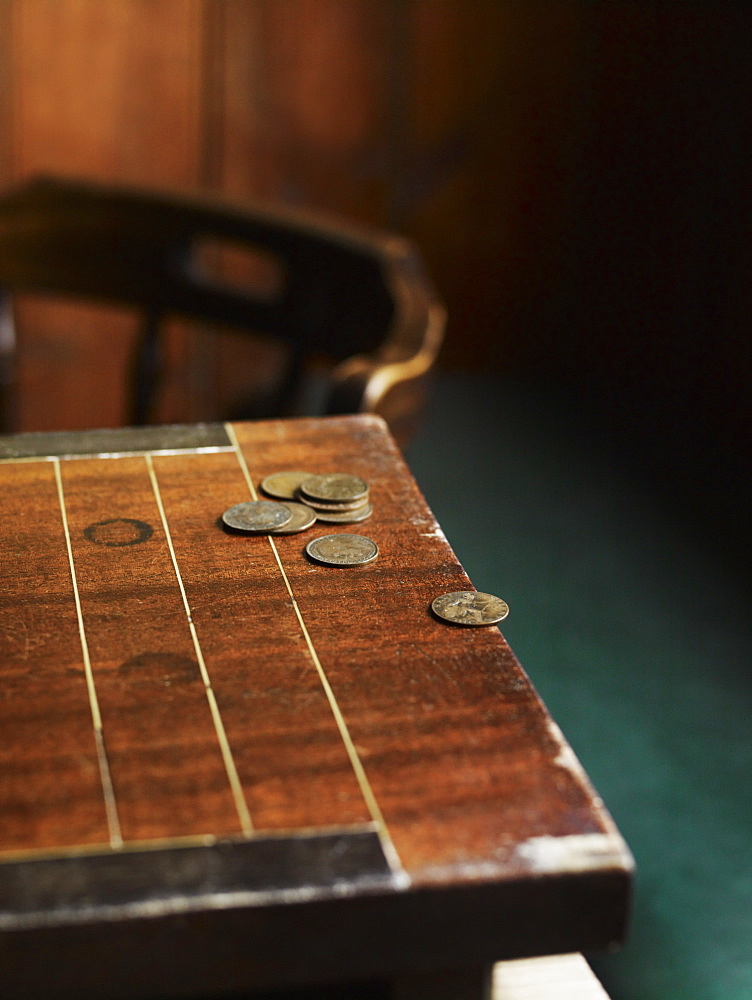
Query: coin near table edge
281,516
471,594
311,550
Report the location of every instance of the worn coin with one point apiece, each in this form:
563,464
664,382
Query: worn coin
342,550
334,487
335,507
469,607
346,516
256,516
302,517
283,485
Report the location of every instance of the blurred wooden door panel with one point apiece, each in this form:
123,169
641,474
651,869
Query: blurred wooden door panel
106,89
305,102
299,99
70,364
6,101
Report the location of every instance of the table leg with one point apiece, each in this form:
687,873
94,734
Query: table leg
467,984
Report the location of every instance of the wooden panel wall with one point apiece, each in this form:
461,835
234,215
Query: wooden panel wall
5,91
102,89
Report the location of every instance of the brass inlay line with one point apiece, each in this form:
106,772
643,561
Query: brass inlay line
229,762
355,761
113,822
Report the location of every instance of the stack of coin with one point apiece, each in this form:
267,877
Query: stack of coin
337,497
301,499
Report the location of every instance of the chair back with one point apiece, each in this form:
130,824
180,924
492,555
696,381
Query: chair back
359,299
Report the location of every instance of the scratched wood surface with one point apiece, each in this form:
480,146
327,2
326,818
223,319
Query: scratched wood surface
167,683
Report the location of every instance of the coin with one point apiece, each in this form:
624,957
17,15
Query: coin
342,550
302,517
346,516
256,516
334,507
282,485
469,607
334,487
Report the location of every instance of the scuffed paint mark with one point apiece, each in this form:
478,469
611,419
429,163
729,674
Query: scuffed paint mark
567,759
582,852
434,533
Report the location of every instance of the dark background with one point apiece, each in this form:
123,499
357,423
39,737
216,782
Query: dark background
576,174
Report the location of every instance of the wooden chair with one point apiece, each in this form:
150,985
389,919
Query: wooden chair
360,300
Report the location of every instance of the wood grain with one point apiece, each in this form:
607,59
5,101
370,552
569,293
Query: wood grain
164,756
165,760
556,977
417,803
464,762
289,754
461,754
50,790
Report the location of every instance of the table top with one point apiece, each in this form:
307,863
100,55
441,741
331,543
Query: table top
209,738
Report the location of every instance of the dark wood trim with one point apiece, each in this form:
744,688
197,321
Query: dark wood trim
118,440
87,888
373,936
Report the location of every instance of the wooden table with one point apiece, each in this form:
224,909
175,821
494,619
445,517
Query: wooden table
224,767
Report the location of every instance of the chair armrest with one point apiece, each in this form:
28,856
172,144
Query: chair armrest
392,380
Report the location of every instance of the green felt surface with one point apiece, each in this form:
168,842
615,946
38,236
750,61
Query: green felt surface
634,625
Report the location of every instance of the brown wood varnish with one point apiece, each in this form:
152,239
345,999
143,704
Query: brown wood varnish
454,741
50,790
165,761
291,761
456,748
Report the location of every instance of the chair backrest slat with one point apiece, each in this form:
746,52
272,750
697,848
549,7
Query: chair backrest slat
336,292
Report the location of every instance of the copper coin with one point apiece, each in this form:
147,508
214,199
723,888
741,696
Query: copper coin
470,607
256,516
346,516
334,487
283,485
342,550
302,517
333,507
